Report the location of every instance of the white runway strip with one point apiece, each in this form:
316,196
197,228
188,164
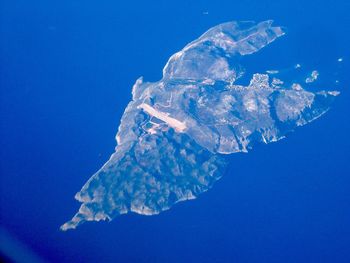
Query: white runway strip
174,123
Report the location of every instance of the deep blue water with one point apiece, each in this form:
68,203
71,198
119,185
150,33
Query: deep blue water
67,68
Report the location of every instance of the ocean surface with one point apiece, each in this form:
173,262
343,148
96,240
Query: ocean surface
66,73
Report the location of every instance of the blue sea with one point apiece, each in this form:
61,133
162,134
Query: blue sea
66,73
